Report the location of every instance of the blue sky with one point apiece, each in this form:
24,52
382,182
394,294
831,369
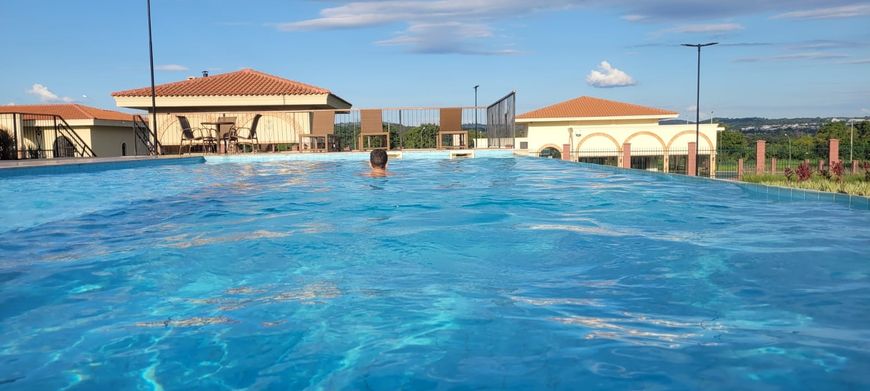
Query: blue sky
777,58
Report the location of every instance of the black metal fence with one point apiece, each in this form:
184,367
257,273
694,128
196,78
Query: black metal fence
39,136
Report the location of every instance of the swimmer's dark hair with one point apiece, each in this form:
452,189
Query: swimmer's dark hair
378,158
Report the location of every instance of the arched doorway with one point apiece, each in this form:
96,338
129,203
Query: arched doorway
63,147
551,153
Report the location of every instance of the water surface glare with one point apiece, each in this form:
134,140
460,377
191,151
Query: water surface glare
481,273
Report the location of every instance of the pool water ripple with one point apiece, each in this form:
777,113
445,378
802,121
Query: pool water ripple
481,273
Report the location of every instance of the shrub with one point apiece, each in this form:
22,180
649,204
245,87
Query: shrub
804,172
7,146
789,174
837,170
867,171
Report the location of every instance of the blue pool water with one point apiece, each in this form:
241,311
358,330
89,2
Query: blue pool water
483,273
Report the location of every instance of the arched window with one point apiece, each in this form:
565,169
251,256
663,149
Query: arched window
551,153
63,147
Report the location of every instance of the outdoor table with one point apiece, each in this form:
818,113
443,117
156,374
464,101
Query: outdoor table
220,136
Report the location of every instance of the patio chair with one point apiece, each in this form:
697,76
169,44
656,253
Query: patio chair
247,136
198,136
225,130
451,125
372,125
322,126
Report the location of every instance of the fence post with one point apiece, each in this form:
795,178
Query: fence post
626,155
739,169
566,151
855,164
821,164
693,157
759,157
773,165
833,151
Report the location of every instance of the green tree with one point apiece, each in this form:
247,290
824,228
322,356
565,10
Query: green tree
732,142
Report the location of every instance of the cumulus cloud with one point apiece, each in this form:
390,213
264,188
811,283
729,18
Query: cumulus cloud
845,11
606,76
46,95
171,68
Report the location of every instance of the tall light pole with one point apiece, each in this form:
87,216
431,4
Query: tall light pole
153,90
476,134
698,101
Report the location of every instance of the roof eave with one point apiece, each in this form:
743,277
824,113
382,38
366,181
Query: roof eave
604,118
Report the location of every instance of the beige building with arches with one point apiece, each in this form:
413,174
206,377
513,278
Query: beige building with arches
601,131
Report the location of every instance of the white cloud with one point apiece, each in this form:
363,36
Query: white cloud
634,17
419,19
706,28
845,11
801,56
46,95
171,68
606,76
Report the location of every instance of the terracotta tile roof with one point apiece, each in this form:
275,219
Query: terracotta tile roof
586,106
243,82
69,111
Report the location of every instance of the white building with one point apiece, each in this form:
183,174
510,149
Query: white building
601,131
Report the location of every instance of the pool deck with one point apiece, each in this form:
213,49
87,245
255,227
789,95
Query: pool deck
28,163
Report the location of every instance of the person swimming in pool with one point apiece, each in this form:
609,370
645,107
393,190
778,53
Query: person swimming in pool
378,162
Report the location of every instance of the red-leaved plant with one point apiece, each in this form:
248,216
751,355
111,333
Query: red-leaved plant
789,174
867,171
804,172
837,170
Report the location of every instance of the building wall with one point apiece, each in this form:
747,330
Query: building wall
646,137
274,127
106,141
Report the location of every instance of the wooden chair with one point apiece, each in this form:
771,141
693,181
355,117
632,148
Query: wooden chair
322,127
372,125
451,125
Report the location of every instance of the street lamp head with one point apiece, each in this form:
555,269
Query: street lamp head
699,45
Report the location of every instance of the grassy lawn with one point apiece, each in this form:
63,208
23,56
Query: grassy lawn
850,184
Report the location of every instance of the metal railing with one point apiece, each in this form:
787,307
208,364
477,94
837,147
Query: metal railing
39,136
145,135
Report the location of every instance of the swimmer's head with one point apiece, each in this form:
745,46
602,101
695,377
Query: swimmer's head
378,159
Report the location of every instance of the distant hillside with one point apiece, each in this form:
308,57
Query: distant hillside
773,126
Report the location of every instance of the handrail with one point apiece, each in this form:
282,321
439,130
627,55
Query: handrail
66,127
139,126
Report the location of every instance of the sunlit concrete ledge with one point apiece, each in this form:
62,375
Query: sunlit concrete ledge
71,165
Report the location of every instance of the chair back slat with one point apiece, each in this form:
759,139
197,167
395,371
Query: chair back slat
371,121
451,119
254,124
186,131
322,123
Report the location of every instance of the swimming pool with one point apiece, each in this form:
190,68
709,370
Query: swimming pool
511,273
